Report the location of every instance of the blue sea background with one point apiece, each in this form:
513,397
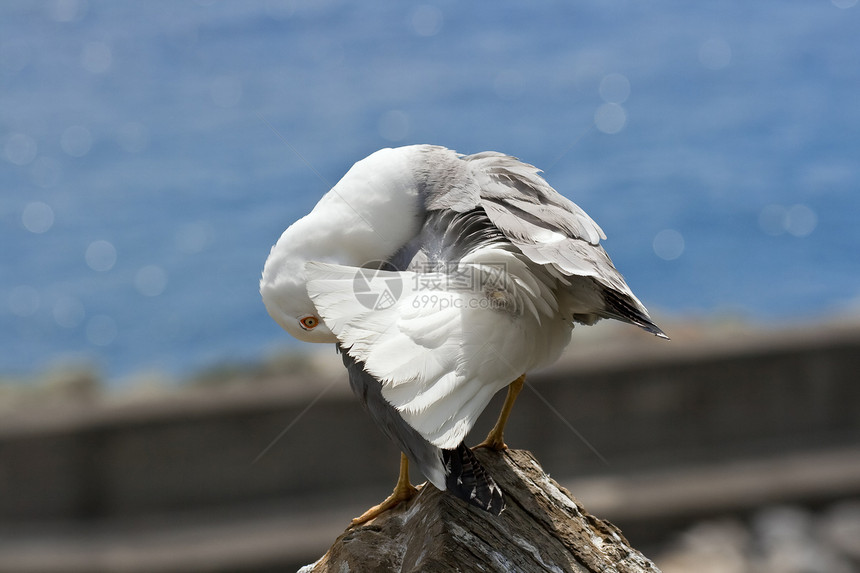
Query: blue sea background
152,152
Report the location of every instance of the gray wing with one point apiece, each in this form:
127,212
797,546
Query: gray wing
544,225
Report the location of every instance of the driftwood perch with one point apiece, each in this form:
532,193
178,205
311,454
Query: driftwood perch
542,529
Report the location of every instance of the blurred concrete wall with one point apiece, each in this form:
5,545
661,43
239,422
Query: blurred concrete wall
199,451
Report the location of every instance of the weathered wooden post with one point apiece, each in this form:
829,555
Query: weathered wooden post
542,529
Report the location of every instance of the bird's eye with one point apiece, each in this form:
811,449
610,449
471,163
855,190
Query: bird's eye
309,322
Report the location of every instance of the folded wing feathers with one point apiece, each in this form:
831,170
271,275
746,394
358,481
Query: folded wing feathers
552,230
417,352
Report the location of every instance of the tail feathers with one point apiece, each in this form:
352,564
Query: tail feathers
467,479
619,308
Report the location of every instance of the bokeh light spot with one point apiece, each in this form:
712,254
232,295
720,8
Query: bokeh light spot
67,10
37,217
150,280
800,220
668,244
100,256
614,88
610,118
797,220
426,20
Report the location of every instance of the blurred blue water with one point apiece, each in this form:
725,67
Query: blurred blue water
142,184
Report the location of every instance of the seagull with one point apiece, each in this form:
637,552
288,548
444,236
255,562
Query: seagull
443,278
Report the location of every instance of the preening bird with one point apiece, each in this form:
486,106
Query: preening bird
443,278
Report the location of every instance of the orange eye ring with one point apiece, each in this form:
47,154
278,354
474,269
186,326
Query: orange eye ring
309,322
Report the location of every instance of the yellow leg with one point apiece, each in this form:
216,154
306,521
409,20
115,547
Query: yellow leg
403,491
495,439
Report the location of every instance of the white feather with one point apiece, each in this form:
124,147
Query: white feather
442,354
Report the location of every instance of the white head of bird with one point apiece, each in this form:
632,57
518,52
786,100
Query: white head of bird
284,292
365,217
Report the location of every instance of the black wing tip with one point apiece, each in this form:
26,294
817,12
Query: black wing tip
653,329
620,307
467,479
